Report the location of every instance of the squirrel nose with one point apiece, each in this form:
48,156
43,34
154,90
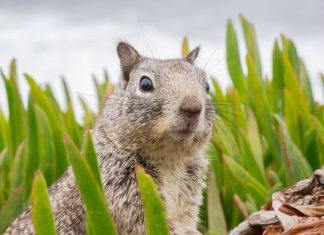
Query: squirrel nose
190,108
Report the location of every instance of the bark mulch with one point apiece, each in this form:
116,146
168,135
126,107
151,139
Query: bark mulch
298,210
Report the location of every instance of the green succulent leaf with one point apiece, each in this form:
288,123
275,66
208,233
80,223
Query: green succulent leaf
98,216
234,62
42,215
155,219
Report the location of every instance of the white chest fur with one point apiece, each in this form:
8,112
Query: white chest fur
181,186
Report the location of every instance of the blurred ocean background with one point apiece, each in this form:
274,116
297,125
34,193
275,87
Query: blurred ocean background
77,38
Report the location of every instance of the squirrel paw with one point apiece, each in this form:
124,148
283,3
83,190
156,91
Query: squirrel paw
186,231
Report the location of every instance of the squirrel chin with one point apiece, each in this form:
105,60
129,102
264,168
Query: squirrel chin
182,135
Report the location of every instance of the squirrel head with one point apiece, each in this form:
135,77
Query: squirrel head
160,103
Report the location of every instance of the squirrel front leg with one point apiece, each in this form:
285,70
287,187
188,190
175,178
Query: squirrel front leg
185,221
180,229
182,219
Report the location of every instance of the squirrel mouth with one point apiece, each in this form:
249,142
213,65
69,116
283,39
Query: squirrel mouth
184,132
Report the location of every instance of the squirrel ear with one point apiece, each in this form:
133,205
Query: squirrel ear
128,57
191,57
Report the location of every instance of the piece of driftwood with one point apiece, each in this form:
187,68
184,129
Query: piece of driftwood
298,210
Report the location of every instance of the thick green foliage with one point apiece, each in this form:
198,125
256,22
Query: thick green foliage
269,133
31,138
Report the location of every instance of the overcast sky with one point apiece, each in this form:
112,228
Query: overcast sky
77,38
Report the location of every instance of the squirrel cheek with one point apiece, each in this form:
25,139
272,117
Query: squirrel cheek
161,126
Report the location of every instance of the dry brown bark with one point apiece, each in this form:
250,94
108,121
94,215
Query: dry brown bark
298,210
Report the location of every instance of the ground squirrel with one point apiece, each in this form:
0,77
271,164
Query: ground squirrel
160,117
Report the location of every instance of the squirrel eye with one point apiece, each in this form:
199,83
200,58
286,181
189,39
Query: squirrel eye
146,84
207,87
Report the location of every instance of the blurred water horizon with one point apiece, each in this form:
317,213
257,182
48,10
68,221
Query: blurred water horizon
75,39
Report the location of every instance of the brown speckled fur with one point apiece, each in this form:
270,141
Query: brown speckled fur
142,128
